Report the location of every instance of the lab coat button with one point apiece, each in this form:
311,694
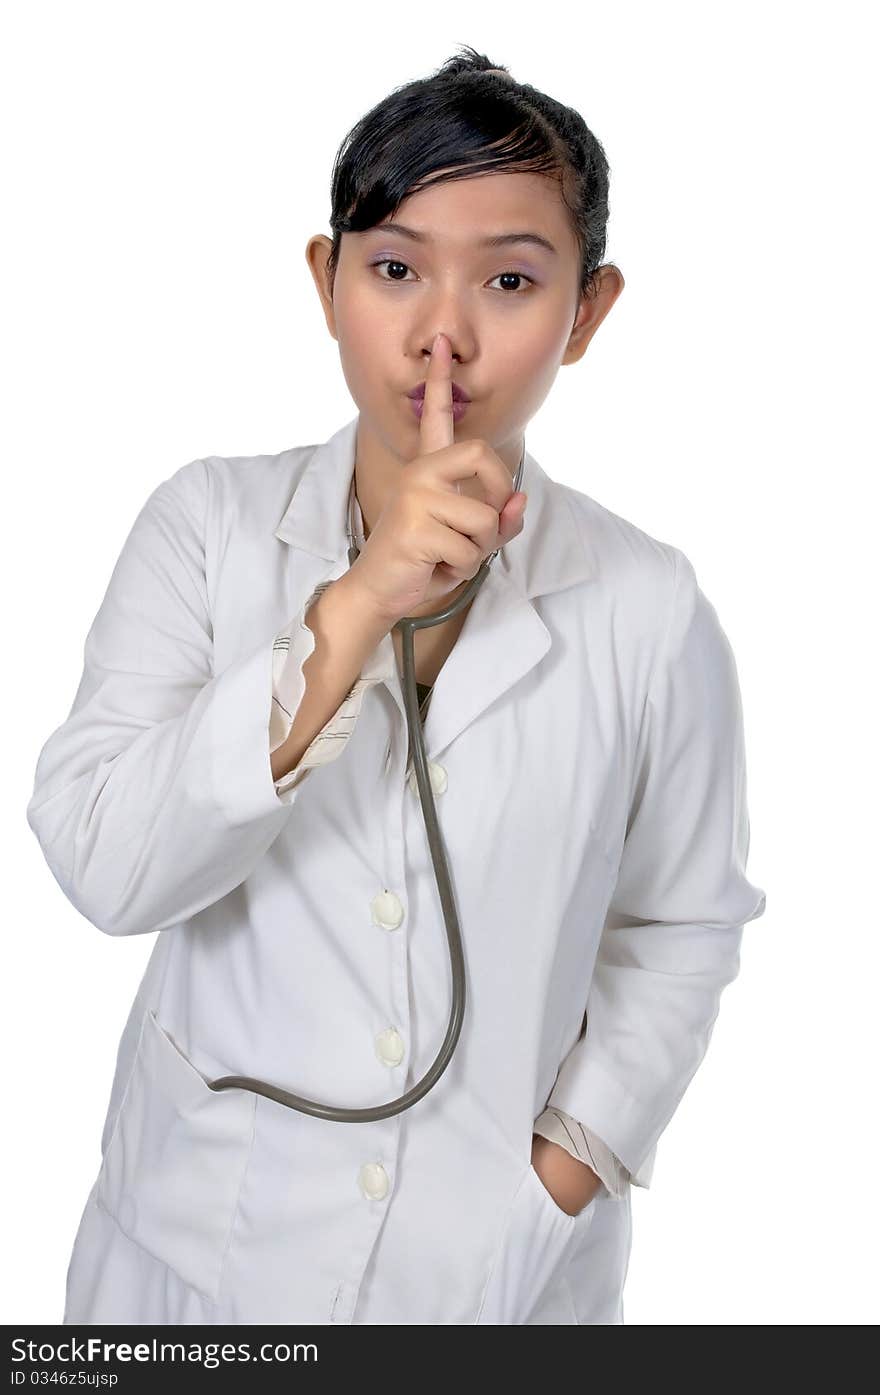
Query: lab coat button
374,1181
436,774
389,1047
387,910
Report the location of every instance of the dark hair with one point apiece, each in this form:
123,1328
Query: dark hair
473,116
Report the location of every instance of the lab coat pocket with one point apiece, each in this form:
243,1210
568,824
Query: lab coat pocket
176,1159
530,1261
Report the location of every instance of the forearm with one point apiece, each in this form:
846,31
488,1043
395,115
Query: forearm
346,632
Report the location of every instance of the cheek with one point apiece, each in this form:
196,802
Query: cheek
530,361
367,337
360,352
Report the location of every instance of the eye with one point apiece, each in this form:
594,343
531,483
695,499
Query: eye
390,261
517,275
508,291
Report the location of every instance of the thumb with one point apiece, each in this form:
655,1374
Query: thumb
510,520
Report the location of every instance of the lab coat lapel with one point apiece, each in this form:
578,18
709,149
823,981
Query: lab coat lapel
503,635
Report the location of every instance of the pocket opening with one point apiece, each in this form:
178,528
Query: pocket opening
554,1205
173,1169
530,1259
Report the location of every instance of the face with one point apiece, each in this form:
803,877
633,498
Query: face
513,312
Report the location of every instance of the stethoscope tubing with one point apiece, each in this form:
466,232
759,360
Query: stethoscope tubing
407,627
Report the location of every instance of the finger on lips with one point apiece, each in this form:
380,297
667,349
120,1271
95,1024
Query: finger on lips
437,423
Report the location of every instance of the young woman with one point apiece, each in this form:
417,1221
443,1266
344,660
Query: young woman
237,773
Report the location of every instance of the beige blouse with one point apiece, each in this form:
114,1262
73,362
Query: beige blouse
291,648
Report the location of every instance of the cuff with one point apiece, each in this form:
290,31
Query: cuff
571,1135
291,648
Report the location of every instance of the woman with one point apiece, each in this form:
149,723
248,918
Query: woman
236,773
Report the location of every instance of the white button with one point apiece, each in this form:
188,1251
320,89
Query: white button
387,910
389,1047
436,774
374,1181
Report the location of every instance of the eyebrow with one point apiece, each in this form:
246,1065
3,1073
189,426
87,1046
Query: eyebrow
498,240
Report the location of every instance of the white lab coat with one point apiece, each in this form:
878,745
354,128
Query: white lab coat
585,736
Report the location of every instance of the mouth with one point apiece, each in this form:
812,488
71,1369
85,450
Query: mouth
458,393
417,405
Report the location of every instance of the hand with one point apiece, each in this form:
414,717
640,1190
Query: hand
429,537
570,1182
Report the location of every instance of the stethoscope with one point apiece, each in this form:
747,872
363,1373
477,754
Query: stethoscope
407,626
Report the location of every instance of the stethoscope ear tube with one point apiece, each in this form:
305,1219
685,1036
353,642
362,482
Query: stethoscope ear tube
407,627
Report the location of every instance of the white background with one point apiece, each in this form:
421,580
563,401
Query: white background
164,166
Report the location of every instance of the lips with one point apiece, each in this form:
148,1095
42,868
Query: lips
458,393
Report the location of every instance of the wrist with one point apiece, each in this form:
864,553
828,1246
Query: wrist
360,607
357,606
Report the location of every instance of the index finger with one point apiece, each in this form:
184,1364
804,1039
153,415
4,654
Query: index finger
437,425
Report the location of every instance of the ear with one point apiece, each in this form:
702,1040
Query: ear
606,286
318,249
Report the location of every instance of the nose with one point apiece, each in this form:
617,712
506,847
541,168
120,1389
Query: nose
430,349
447,312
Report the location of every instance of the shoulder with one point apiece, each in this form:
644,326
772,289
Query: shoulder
645,578
225,493
657,611
254,490
656,592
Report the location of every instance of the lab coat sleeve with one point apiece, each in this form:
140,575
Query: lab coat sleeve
584,1145
671,939
291,648
155,796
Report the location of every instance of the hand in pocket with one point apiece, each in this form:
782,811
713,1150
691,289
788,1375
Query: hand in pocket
570,1182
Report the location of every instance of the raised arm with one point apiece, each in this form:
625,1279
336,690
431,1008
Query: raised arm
156,797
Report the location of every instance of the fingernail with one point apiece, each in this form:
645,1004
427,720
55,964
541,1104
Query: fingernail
436,337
